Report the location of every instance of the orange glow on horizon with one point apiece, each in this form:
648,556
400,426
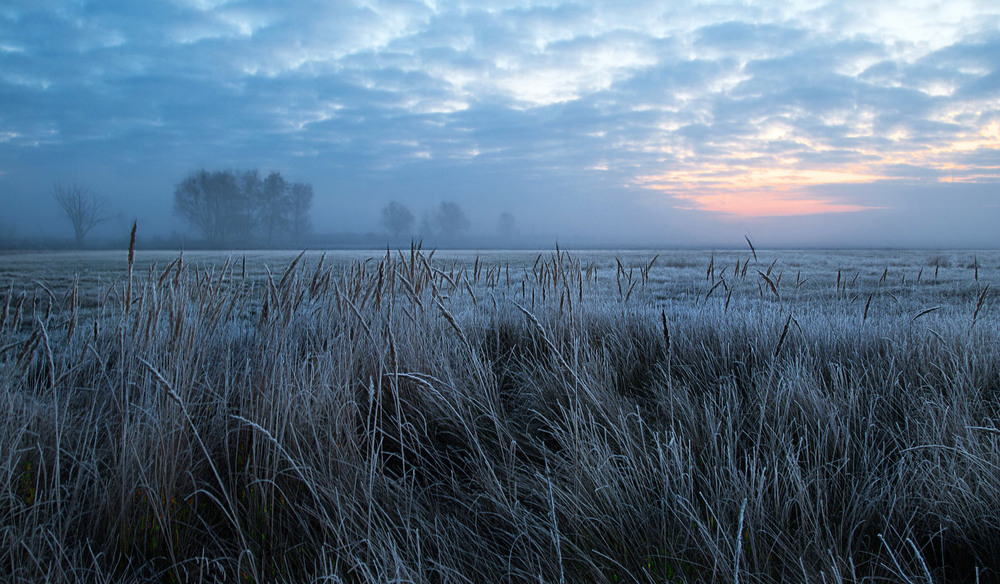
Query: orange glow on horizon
765,204
737,188
755,192
742,177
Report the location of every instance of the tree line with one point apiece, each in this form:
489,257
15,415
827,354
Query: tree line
228,208
447,221
241,208
236,208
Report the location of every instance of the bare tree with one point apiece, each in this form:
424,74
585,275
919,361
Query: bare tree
506,226
239,208
210,201
273,211
84,209
243,218
397,219
449,221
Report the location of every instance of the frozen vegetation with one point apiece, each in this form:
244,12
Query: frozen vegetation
508,417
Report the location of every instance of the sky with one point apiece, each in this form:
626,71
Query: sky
799,123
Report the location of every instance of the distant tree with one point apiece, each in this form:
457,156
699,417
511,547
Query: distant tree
275,209
245,211
300,205
506,226
84,209
397,220
427,228
239,208
449,221
209,201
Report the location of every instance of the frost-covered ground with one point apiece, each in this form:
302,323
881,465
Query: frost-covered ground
501,416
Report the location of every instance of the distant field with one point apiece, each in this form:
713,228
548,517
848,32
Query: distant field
695,416
934,277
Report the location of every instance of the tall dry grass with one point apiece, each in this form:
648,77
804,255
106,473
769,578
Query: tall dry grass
408,419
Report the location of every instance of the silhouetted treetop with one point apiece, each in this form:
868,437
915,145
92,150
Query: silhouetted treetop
239,208
449,221
397,220
84,209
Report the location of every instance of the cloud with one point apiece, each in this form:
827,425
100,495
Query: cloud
748,39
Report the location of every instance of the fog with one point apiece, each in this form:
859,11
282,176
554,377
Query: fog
620,125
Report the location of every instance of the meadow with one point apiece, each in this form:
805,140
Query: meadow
741,416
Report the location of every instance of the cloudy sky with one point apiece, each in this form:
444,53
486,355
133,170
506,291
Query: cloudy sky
805,122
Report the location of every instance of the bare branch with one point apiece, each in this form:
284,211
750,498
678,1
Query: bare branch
84,209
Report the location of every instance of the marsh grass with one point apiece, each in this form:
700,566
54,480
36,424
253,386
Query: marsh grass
430,419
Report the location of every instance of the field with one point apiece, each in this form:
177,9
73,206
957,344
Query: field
414,416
